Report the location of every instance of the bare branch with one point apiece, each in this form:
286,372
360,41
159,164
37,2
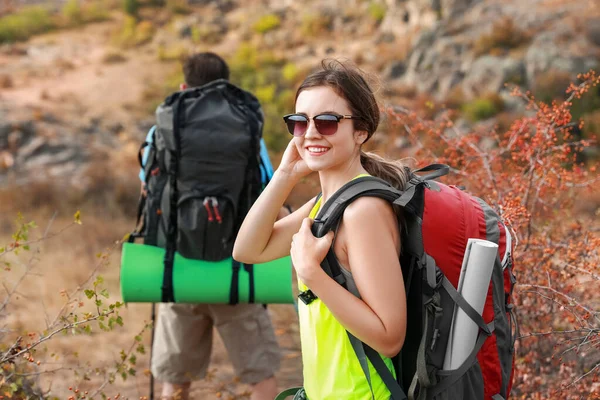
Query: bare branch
573,383
7,356
570,299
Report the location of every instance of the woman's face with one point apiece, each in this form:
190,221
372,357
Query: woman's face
322,152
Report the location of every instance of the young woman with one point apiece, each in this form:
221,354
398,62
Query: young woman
336,113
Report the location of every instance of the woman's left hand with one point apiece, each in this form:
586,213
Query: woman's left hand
308,251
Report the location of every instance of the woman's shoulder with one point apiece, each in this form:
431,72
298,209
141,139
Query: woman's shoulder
367,209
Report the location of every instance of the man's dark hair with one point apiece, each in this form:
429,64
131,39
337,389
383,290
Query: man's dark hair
202,68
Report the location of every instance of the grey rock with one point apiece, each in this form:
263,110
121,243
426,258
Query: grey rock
512,103
394,70
490,73
592,28
546,53
443,55
386,38
5,129
436,68
14,134
451,8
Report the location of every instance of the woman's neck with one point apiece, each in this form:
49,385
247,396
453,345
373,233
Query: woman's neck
333,179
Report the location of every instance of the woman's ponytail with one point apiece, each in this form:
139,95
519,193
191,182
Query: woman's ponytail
396,173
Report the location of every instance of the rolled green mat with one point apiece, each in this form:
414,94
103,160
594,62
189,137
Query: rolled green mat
196,281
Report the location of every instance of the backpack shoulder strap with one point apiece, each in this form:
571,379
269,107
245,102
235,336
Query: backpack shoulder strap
333,209
328,219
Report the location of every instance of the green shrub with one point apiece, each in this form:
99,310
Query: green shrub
289,72
30,21
207,34
267,76
483,107
25,23
266,94
267,23
131,7
172,53
313,25
133,33
72,12
377,11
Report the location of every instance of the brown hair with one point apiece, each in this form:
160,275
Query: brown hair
349,83
202,68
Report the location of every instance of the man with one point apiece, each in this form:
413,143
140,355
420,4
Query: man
183,332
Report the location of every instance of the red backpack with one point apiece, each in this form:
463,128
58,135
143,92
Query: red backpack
436,222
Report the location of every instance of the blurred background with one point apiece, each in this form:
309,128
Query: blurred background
80,80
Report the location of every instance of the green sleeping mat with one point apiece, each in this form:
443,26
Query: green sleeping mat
196,281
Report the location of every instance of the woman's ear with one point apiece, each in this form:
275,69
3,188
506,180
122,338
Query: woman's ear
360,137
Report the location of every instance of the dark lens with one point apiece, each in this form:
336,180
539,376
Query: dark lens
296,124
326,124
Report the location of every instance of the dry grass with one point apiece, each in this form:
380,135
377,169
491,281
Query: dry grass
504,35
113,57
6,82
66,262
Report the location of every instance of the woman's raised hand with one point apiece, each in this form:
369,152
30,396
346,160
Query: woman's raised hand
292,163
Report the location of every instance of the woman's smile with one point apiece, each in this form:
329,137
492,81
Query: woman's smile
316,151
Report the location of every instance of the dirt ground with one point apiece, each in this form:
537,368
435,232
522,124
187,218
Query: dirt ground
67,73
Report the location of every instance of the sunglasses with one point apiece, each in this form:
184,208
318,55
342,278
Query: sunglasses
326,124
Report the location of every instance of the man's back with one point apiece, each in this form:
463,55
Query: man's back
207,144
202,172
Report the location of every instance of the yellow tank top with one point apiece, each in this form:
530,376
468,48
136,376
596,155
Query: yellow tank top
330,366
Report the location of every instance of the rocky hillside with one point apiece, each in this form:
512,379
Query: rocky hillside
85,90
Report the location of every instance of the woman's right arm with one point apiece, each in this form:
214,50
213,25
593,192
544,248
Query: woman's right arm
261,238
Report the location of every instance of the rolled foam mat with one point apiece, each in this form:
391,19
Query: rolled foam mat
196,281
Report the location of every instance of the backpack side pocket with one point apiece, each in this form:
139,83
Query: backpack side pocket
206,227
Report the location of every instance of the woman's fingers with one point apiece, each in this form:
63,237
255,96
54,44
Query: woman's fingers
306,225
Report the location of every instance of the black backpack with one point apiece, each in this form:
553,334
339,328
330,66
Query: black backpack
437,221
202,173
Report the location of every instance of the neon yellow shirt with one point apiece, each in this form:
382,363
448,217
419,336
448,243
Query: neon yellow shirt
330,366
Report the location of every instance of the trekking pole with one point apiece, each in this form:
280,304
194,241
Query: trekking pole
153,318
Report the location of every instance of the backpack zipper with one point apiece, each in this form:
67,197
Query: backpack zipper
207,207
215,205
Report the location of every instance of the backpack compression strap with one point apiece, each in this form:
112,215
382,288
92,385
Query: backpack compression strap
177,100
168,294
